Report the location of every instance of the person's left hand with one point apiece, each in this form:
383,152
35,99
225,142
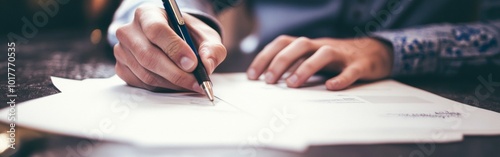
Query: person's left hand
356,59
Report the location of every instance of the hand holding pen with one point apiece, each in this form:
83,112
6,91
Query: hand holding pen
179,26
151,55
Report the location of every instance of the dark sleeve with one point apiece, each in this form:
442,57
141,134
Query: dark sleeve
444,48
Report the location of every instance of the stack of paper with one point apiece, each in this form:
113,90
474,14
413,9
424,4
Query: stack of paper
250,114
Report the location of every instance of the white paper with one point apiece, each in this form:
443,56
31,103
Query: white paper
253,114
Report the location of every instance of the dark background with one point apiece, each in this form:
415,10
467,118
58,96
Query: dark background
75,14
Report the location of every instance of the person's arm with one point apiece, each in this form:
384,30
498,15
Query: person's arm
150,55
412,51
443,49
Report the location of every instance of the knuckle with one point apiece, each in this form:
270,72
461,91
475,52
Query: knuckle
154,30
327,48
178,79
173,46
308,65
123,72
220,51
146,60
220,48
284,37
284,40
148,79
121,33
117,52
140,14
139,11
327,52
149,63
303,42
283,58
141,52
137,14
303,39
116,49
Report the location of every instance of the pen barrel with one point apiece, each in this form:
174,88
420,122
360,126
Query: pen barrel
200,73
172,18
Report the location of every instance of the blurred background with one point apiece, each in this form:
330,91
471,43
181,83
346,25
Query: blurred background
90,19
90,16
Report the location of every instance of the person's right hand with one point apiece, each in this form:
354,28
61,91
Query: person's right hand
152,56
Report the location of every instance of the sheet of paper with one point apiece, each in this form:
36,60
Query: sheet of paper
253,114
384,111
107,109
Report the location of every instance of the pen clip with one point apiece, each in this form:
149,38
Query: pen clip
177,12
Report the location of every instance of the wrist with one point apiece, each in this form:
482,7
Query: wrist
386,52
387,45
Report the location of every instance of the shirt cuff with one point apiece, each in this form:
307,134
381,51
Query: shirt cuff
416,51
125,14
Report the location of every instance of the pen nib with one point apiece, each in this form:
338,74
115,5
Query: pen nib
207,87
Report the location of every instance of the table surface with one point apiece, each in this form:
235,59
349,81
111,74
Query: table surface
70,54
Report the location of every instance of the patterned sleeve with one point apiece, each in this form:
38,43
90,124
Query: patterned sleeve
443,49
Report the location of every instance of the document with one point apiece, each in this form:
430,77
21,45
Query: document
250,114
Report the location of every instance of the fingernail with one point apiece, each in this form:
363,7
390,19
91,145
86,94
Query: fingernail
197,88
269,77
293,79
334,84
186,63
251,74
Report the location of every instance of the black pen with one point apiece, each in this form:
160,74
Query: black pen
179,26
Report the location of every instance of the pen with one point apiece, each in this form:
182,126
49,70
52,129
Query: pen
179,26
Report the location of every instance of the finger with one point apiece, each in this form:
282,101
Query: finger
326,55
211,50
124,56
154,24
126,75
264,58
284,59
347,77
151,57
212,55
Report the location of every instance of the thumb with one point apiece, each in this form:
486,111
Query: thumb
211,50
212,54
347,77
